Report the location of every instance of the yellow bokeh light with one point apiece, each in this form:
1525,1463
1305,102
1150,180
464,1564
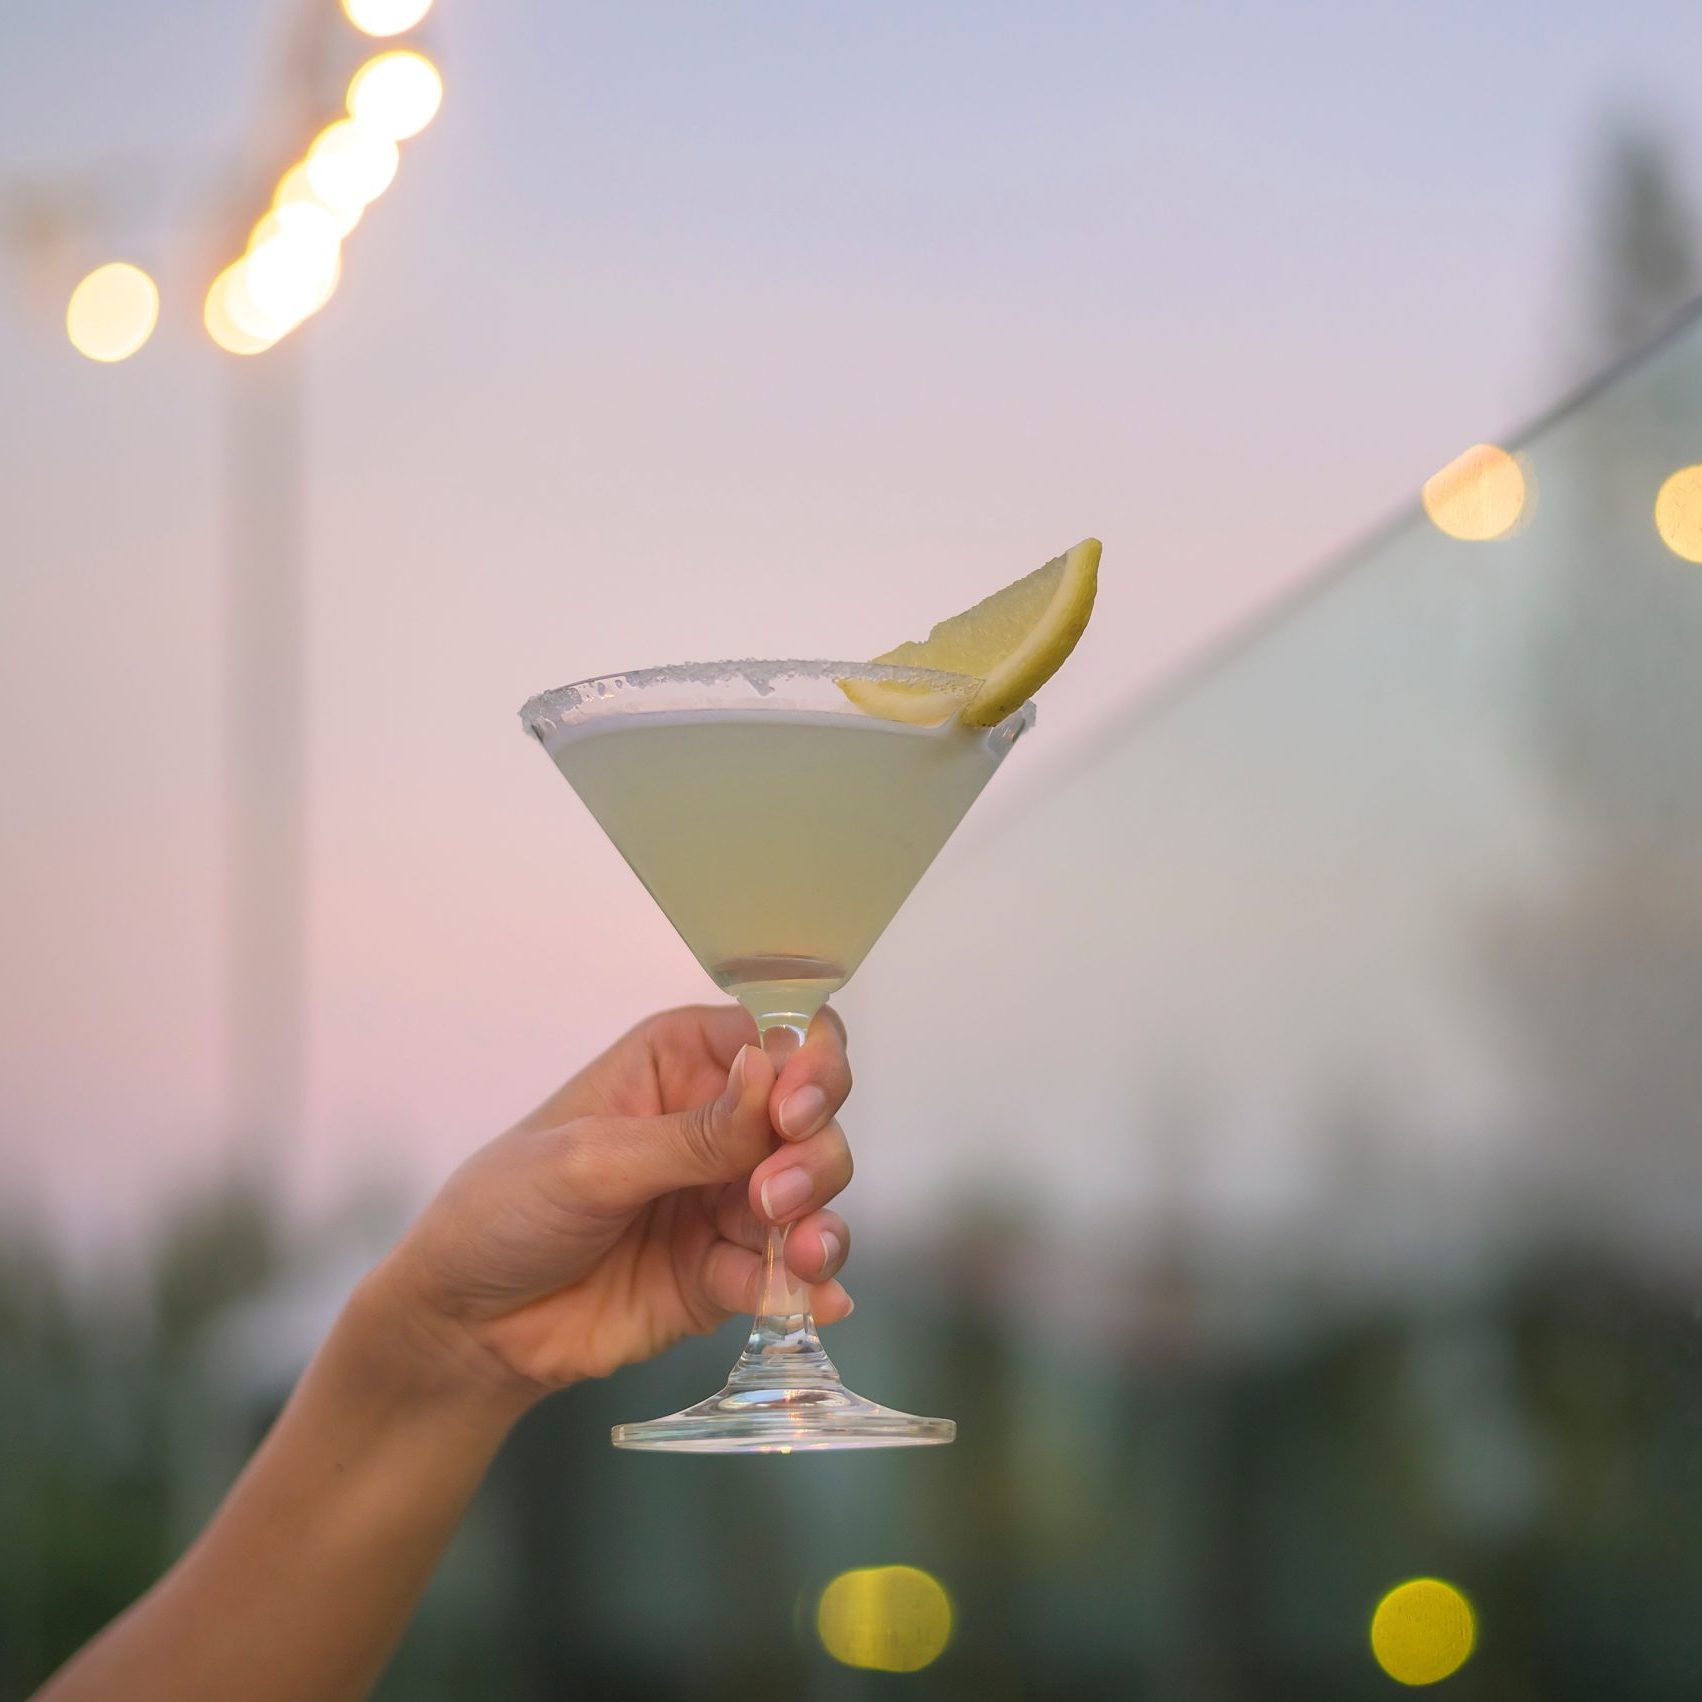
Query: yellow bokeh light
294,263
1422,1631
385,17
300,221
1678,513
885,1618
294,190
396,94
1478,496
349,165
289,276
228,311
112,312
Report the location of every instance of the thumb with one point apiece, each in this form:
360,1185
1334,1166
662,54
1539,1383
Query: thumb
638,1159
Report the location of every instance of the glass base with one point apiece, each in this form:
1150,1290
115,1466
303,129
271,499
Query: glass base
782,1421
792,1403
784,1395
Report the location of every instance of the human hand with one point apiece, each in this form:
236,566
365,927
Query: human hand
629,1209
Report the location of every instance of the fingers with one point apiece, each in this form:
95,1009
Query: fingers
829,1303
800,1176
679,1056
723,1028
732,1281
817,1246
735,1221
692,1048
813,1081
617,1164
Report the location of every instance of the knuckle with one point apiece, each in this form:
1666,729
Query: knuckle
655,1030
581,1166
699,1135
841,1165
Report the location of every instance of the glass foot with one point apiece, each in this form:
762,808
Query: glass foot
784,1395
782,1421
784,1408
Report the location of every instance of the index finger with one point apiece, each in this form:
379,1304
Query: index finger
814,1081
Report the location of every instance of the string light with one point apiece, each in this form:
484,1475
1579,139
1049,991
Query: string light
228,313
385,17
293,262
349,165
295,190
396,94
1478,496
293,269
112,312
1678,513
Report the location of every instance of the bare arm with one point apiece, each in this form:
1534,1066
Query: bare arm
623,1214
304,1581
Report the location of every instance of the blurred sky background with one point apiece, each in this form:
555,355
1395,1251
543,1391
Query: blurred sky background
691,332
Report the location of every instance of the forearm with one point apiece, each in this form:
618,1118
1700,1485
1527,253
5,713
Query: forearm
305,1579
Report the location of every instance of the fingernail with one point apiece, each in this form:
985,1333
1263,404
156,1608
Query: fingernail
785,1191
829,1249
735,1089
800,1112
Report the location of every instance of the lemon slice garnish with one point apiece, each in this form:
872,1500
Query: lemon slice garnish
1013,642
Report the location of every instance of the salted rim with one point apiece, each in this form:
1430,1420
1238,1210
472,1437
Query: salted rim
762,675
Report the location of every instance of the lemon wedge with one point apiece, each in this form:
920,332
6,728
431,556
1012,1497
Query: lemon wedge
1013,642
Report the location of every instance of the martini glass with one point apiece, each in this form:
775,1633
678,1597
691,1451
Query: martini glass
779,825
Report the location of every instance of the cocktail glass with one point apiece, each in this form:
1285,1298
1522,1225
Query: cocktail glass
779,823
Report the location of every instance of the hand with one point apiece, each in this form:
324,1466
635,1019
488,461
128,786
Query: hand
629,1209
623,1214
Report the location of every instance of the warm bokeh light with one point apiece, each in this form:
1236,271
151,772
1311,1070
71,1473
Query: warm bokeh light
396,94
1478,496
885,1618
385,17
1678,513
350,165
228,311
112,312
294,189
1422,1631
294,260
299,221
292,272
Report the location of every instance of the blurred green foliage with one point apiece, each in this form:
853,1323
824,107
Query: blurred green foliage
96,1371
1180,1509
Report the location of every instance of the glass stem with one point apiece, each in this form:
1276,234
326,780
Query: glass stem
783,1347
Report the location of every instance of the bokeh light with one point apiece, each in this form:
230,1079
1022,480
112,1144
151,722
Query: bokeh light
385,17
112,312
349,166
228,312
294,190
1678,513
299,221
294,263
1422,1631
1478,496
885,1618
396,94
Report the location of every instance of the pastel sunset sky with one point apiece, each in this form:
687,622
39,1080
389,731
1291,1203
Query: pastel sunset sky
690,331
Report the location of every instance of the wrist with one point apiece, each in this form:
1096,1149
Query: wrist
428,1359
